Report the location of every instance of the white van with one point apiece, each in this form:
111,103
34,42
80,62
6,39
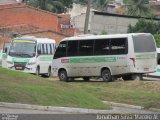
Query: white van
106,56
32,55
157,73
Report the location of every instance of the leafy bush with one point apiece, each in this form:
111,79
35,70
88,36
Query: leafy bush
147,26
157,38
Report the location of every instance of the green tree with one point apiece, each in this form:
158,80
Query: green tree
147,26
96,4
157,38
137,7
56,6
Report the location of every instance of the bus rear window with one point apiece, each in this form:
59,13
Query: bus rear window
144,43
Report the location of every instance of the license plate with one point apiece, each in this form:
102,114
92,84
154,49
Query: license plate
146,69
19,68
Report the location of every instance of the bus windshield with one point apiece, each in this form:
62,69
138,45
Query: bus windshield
23,49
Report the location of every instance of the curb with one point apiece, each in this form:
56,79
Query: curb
52,108
154,109
72,110
123,105
130,106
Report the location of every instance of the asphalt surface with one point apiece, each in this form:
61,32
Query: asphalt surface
118,112
115,110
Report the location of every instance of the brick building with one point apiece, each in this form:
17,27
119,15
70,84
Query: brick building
18,18
156,7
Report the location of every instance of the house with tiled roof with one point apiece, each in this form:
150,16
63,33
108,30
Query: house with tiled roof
21,19
156,7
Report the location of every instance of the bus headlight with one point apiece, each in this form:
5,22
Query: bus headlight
10,62
31,63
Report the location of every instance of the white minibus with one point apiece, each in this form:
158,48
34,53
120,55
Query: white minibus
157,73
5,49
31,54
106,56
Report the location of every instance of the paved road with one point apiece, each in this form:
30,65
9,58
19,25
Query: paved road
114,110
25,114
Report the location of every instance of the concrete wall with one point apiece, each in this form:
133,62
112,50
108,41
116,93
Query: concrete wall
111,24
105,22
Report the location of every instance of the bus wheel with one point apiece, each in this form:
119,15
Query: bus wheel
106,75
49,72
63,75
37,71
86,78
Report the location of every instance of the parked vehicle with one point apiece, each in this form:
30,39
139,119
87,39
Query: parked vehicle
106,56
32,55
0,56
157,72
5,49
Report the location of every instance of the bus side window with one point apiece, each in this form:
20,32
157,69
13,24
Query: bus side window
43,49
72,48
118,46
61,50
158,60
39,49
86,47
101,47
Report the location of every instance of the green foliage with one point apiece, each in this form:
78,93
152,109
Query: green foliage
146,93
157,38
103,32
56,6
96,4
82,2
137,7
147,26
18,87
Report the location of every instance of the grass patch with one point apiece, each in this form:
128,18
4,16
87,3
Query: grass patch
143,93
25,88
18,87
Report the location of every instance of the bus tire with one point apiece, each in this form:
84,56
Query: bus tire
86,79
63,75
106,75
37,71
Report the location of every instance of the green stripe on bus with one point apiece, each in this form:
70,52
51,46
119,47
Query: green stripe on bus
4,56
26,41
20,60
93,60
158,70
46,58
147,56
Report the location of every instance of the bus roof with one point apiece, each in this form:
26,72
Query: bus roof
88,36
38,40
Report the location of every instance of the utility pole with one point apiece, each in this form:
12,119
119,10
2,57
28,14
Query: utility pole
87,16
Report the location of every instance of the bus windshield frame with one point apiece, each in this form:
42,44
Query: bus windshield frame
23,48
